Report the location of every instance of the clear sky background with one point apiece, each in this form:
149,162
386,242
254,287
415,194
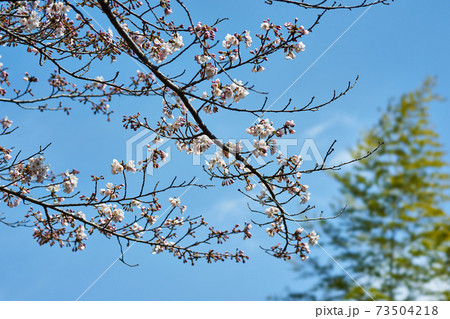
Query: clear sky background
392,48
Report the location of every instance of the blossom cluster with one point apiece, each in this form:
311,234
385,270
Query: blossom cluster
31,22
262,129
70,182
117,168
235,90
176,202
158,49
35,169
111,212
55,11
161,50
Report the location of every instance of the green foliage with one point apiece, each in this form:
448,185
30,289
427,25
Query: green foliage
394,237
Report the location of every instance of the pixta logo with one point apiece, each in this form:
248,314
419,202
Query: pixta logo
137,150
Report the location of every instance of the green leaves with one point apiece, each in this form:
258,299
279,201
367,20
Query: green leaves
394,238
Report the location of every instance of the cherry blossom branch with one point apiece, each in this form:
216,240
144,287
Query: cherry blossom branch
155,43
322,4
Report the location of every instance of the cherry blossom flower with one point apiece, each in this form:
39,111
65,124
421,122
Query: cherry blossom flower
218,161
210,71
281,159
31,22
161,50
129,167
271,212
257,68
177,42
229,41
34,169
57,9
296,160
6,123
238,90
290,55
174,201
201,59
137,229
249,187
16,172
98,85
248,39
109,191
290,123
80,214
53,188
305,198
79,233
261,197
201,144
116,167
70,183
116,214
262,129
265,26
304,31
216,91
299,47
261,148
313,238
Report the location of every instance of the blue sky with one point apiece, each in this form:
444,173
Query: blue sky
392,48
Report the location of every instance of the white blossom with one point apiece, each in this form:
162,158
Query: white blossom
174,201
6,123
79,233
290,55
130,166
201,59
265,26
80,214
70,183
218,161
261,148
31,22
239,90
53,188
248,39
135,203
299,47
37,168
263,129
313,238
137,229
305,198
249,187
271,212
201,144
229,41
98,85
116,167
210,71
